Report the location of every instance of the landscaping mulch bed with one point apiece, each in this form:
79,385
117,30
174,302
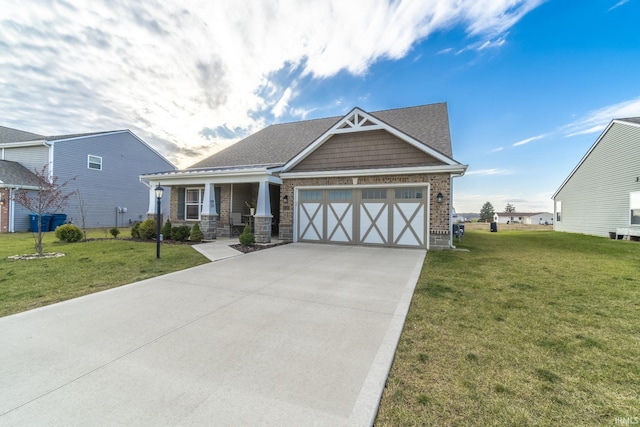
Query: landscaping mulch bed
254,248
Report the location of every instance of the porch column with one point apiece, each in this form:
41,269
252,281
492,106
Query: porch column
263,217
209,214
151,212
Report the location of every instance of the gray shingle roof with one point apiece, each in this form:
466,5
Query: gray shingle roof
16,135
13,173
635,120
279,143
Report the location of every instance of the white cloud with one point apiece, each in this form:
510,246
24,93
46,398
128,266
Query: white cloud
620,3
172,71
528,140
485,172
595,121
498,149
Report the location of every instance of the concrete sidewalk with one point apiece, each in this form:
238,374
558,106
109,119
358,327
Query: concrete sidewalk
300,334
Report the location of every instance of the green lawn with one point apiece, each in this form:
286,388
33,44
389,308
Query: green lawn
527,328
87,267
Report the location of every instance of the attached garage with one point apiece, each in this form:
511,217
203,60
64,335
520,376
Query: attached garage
378,179
379,215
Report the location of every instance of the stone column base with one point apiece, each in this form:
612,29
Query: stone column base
209,226
262,228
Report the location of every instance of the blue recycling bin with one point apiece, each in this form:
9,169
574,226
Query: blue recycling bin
56,220
45,221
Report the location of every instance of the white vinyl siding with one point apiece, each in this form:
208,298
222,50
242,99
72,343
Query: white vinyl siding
595,199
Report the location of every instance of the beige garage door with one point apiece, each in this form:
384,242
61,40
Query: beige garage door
390,216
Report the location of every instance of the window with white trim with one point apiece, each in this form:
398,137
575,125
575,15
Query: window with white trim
94,162
193,203
558,211
634,207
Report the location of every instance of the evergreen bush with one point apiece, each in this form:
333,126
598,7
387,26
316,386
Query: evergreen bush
180,233
148,229
135,230
247,238
166,230
114,232
196,234
68,233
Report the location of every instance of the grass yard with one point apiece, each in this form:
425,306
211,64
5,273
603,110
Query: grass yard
87,267
528,328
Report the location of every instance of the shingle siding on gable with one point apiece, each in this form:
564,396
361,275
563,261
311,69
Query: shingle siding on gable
595,200
30,157
369,149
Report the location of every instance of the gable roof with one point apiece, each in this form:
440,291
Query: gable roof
630,121
16,135
279,143
13,174
9,135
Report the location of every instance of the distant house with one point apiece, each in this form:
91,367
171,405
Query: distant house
107,166
525,218
602,193
380,178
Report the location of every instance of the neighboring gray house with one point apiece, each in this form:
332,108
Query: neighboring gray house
602,193
381,178
528,218
106,167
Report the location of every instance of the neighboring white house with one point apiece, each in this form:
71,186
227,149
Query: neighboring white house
528,218
602,193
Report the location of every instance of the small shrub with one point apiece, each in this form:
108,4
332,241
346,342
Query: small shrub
247,238
196,234
180,233
135,230
114,232
148,229
68,233
166,230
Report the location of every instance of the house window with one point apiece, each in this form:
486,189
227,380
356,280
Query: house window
634,207
558,211
193,203
94,162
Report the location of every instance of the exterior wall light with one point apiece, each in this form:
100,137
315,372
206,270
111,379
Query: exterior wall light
439,198
285,199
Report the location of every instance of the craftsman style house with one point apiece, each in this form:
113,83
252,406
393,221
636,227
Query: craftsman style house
106,167
366,178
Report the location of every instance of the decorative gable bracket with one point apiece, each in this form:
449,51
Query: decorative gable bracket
356,122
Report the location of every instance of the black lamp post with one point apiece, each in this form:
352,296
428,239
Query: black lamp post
159,191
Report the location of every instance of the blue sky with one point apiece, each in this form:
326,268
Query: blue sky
530,84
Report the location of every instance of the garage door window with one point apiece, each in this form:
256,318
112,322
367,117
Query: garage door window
340,195
408,193
374,194
311,195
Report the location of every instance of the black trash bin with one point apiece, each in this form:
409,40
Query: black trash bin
494,227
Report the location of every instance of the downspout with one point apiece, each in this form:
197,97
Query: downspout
50,167
453,175
11,212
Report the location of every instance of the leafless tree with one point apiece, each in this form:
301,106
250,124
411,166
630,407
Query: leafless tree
49,197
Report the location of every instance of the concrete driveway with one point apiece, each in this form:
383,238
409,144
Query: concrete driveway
301,334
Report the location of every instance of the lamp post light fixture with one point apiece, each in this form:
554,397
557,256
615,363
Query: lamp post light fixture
439,198
159,191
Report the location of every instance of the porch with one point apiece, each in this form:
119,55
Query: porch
221,202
